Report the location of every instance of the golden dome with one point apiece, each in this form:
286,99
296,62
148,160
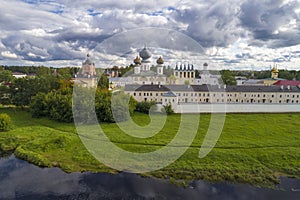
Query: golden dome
275,70
160,60
137,60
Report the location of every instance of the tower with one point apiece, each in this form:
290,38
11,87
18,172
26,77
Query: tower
137,66
274,72
87,76
205,65
160,63
145,55
88,68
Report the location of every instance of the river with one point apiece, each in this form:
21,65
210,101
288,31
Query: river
22,180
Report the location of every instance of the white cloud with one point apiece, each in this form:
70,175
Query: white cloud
235,33
8,54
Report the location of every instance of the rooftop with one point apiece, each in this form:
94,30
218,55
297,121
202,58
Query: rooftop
211,88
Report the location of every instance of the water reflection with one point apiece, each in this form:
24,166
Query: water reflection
21,180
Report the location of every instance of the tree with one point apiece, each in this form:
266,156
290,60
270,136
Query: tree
169,110
64,73
43,71
103,106
6,76
144,106
298,76
23,89
39,106
197,73
5,122
122,106
285,74
103,82
227,77
60,106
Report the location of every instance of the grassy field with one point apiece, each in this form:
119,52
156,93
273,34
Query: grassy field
253,148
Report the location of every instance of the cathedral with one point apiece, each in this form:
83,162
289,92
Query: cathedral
143,75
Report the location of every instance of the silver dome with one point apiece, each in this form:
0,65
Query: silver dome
145,54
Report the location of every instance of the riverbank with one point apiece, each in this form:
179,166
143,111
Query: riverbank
253,148
21,180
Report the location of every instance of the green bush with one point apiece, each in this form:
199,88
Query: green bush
122,106
144,106
169,110
5,122
55,105
39,106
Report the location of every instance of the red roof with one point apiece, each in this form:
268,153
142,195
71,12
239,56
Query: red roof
287,83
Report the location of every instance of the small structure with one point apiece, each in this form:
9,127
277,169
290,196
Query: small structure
169,98
19,75
206,78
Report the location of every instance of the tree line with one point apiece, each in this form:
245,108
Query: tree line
50,95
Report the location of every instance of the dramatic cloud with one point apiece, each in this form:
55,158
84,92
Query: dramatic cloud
274,23
235,33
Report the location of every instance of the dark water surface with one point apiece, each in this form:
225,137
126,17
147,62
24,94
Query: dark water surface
21,180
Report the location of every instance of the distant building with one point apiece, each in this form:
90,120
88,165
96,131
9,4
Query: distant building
259,82
240,80
111,73
142,73
19,75
287,83
184,73
119,81
204,94
206,78
254,82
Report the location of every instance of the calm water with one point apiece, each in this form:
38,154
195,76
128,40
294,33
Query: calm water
21,180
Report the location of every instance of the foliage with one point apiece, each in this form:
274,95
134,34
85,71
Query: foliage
43,71
6,76
169,110
23,89
5,122
65,73
186,82
197,73
39,105
228,78
262,74
286,74
144,106
103,106
55,105
168,71
122,106
5,97
103,82
60,106
298,76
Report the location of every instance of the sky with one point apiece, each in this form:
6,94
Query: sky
235,34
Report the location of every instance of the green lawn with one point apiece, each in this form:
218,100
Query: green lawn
253,148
